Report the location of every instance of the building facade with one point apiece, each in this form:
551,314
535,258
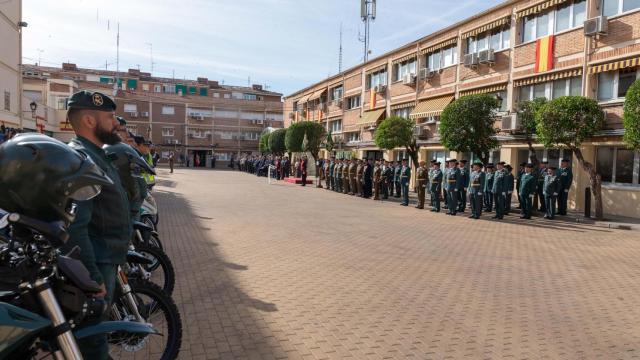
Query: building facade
11,40
196,119
518,50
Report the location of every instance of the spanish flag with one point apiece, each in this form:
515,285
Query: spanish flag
372,99
544,54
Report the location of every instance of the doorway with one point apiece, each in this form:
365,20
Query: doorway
199,158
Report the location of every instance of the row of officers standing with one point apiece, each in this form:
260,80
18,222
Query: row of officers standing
483,188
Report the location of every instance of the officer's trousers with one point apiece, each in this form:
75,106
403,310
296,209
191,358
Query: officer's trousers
385,189
421,194
550,203
345,185
405,193
475,201
499,202
353,185
452,197
435,200
488,201
563,196
376,190
462,200
328,182
97,347
507,203
541,200
398,188
446,199
526,203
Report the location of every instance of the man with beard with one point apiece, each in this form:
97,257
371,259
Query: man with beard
102,227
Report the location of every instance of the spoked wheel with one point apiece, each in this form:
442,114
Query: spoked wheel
156,308
161,270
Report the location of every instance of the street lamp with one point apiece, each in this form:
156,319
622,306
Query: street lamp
33,107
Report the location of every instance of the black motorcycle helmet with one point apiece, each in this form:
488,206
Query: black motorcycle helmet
125,158
40,177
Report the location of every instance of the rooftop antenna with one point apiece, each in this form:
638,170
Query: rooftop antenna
151,55
367,14
116,85
340,54
40,51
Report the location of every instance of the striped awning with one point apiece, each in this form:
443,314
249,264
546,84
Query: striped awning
439,45
621,64
490,26
547,77
431,107
484,90
377,68
405,58
538,8
370,117
350,128
403,105
304,99
317,94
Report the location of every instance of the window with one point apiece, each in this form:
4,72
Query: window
226,135
552,89
228,114
145,87
250,97
7,100
565,17
403,112
335,126
251,135
618,165
157,88
377,78
227,96
216,95
61,102
169,88
614,84
442,58
404,68
503,103
336,93
129,108
132,129
353,136
223,156
168,131
497,39
614,7
353,102
168,110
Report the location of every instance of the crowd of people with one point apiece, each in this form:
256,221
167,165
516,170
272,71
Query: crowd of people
7,133
454,188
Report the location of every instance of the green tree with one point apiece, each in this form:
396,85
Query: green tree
527,111
313,131
264,143
631,117
394,132
468,125
293,138
569,121
277,142
329,144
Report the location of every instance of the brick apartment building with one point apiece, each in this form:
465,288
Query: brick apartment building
11,40
196,119
496,52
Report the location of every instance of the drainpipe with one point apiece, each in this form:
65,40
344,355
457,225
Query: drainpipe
20,25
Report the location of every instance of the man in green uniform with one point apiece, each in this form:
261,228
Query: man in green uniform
435,186
345,177
476,190
405,178
387,178
542,172
360,179
353,173
337,172
102,228
488,188
527,191
566,178
499,190
329,166
518,180
464,184
421,183
551,190
397,178
451,184
510,180
377,180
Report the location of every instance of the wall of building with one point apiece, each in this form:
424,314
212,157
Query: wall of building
10,16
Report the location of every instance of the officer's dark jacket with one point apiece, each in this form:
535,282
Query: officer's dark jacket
102,227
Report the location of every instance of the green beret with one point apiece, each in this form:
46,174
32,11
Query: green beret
89,100
121,120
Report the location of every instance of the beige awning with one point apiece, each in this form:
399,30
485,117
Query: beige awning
547,77
350,128
403,105
317,94
377,68
405,58
615,65
439,45
304,99
484,90
490,26
431,107
370,117
538,8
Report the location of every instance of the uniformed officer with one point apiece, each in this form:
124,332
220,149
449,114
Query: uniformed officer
566,178
421,183
551,189
435,186
337,172
387,179
499,190
464,184
353,167
328,175
527,191
518,181
102,227
346,189
476,190
451,184
405,177
377,180
542,172
510,182
488,188
360,179
367,178
397,178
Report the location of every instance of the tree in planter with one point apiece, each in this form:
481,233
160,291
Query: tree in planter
314,133
468,125
264,143
277,142
527,114
569,121
394,132
631,117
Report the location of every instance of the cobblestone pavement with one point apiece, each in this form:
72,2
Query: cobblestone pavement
282,271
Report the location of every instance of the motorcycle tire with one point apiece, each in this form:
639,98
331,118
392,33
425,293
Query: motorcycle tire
162,271
158,309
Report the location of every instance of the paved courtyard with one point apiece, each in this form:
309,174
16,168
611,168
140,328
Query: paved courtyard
282,271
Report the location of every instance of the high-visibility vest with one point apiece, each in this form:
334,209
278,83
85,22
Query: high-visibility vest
149,178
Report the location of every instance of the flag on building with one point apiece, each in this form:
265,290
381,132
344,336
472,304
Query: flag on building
544,54
372,99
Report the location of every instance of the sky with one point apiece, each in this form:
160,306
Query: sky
283,44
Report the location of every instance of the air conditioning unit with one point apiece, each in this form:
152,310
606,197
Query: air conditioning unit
486,57
176,141
337,102
417,131
144,114
509,123
408,79
426,73
200,117
133,114
471,60
380,88
596,26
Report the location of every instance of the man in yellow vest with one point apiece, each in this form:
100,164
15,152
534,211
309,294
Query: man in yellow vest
143,147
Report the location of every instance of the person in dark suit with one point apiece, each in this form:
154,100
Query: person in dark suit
303,170
368,179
